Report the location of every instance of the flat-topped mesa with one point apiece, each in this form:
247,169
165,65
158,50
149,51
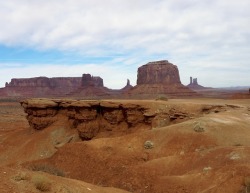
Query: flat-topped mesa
40,86
158,72
88,80
45,82
22,82
157,78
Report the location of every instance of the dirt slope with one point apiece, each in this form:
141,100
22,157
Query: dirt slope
207,152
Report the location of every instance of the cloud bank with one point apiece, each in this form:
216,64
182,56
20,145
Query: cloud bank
208,39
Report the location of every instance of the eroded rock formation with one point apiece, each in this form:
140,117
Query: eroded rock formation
127,87
194,84
59,86
101,118
40,86
88,80
159,72
45,82
153,80
160,77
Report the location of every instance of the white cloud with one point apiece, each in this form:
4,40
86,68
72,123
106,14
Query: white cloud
195,35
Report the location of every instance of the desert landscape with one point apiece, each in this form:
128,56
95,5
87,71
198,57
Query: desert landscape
124,96
158,136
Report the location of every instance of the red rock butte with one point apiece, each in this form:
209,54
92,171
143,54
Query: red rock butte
158,72
160,77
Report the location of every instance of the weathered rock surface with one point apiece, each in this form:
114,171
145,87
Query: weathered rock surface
40,86
101,118
45,82
160,77
159,72
60,86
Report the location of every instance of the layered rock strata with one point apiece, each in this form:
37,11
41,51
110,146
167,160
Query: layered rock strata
59,86
158,72
160,77
101,118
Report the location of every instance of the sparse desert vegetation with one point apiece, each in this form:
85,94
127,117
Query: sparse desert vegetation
137,146
42,183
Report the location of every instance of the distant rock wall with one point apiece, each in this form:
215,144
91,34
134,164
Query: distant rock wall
45,82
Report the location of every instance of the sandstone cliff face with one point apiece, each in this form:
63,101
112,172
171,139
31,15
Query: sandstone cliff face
159,72
101,118
58,86
160,78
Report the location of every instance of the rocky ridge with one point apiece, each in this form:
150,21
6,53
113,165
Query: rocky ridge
100,118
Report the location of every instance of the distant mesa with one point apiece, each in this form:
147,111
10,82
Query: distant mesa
194,84
44,82
153,79
40,86
160,77
158,72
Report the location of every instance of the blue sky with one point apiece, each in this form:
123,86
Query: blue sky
207,39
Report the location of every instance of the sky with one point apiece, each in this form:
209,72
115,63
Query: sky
206,39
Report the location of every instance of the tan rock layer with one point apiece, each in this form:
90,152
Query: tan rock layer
99,118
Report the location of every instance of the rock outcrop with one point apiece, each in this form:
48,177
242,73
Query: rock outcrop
127,87
160,77
194,84
45,82
154,79
54,87
91,87
159,72
94,118
91,81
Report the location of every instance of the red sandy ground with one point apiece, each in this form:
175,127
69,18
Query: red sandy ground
181,161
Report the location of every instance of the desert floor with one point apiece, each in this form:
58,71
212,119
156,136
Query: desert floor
207,153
